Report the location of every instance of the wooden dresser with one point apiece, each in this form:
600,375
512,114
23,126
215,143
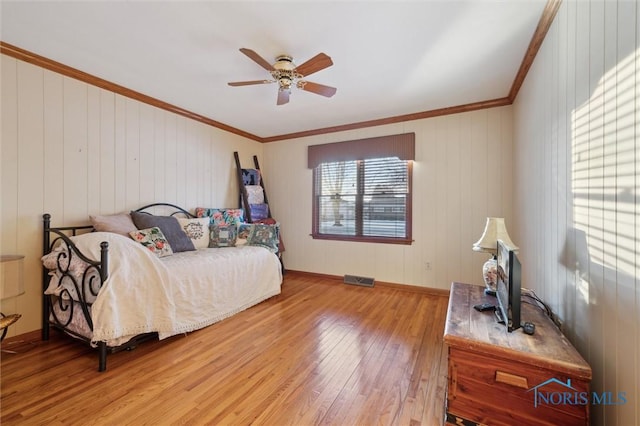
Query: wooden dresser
501,378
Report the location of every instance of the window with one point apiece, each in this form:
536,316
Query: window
362,199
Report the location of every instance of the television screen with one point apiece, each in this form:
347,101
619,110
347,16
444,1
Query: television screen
508,286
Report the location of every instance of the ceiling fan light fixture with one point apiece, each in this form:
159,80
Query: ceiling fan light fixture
285,83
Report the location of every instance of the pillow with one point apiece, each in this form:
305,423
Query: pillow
154,240
169,226
264,236
60,253
222,235
222,216
197,230
116,223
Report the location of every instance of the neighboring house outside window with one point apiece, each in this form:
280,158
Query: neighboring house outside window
362,189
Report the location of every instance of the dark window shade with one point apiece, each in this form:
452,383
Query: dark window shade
401,146
366,199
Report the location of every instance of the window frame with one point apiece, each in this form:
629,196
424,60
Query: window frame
406,240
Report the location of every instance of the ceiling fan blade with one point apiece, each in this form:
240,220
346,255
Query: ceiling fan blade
315,64
257,59
283,97
248,83
316,88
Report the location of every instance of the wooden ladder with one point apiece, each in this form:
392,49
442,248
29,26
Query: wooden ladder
244,201
244,196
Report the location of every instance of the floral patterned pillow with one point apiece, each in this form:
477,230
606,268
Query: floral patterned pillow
223,235
222,216
154,240
266,236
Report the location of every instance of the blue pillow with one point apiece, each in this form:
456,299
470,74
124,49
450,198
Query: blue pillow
170,227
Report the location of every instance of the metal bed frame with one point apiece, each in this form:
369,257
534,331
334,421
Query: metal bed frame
88,287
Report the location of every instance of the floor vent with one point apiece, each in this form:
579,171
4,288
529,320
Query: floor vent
355,280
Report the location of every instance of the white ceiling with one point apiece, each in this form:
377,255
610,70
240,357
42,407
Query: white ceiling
390,57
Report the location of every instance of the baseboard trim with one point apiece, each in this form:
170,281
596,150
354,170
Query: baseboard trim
30,336
405,287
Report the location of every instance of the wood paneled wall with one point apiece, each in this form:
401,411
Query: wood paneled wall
577,183
461,175
71,149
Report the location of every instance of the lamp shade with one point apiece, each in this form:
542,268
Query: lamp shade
494,230
11,276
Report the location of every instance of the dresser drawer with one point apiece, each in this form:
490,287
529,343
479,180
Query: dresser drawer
492,390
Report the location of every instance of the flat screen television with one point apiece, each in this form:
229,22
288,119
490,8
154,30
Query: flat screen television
508,286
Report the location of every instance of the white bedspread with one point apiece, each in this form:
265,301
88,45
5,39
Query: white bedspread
178,293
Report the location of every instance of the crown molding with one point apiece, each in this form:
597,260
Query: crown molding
546,19
396,119
68,71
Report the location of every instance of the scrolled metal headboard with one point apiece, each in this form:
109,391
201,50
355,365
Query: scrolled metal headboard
177,209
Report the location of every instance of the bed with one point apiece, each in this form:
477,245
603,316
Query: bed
112,292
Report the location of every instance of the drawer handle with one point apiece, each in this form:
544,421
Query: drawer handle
512,379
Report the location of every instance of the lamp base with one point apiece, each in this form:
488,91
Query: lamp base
490,276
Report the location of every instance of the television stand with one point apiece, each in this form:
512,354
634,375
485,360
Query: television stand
501,378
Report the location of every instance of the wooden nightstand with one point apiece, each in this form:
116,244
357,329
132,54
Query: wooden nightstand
501,378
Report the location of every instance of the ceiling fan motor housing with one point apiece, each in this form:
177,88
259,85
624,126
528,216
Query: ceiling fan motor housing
284,62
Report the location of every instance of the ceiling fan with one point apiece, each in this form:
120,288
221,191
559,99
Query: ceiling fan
287,74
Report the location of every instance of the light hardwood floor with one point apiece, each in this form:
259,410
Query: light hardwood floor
322,352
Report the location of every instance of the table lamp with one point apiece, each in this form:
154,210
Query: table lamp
12,285
494,230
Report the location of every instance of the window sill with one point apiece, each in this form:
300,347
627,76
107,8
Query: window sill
378,240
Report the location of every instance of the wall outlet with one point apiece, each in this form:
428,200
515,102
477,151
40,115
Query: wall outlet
427,266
